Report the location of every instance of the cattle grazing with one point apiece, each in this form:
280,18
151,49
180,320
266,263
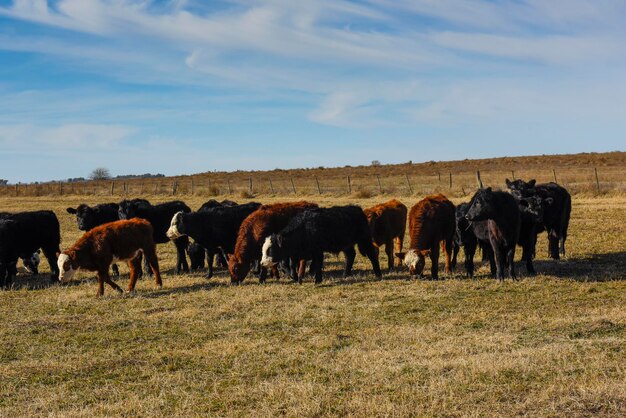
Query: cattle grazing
557,210
214,229
21,235
159,217
431,223
387,223
263,222
495,217
88,217
122,240
311,233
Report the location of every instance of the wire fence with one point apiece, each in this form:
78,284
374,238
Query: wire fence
575,179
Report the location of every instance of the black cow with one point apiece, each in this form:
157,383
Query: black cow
557,211
196,256
531,217
315,231
22,234
215,204
160,217
89,217
464,237
30,261
214,229
495,217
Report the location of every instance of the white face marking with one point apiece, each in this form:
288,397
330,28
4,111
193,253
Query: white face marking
65,275
266,259
173,232
411,259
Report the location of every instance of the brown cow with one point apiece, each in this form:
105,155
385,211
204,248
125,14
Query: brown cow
114,241
387,223
260,224
431,221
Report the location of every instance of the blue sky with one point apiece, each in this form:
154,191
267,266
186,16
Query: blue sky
179,87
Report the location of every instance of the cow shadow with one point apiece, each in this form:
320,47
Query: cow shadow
594,267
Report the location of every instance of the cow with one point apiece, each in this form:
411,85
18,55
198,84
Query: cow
263,222
30,261
495,217
21,235
311,233
221,257
431,223
464,237
124,240
160,217
531,218
88,217
387,222
214,229
196,256
557,211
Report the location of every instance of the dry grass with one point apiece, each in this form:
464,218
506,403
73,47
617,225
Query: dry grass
553,345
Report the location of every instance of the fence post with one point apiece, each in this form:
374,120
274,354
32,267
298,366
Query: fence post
439,176
16,190
319,189
380,186
141,189
597,181
250,184
512,174
450,180
408,182
554,173
478,180
156,188
60,189
271,186
349,184
192,188
112,187
230,189
293,186
174,187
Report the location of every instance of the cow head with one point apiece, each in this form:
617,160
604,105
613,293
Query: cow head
67,267
414,260
272,251
177,227
534,206
128,208
481,206
237,269
521,188
31,263
85,217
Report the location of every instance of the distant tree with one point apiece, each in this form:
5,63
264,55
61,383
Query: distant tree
3,182
375,163
100,173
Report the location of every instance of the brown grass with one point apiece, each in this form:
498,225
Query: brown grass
553,345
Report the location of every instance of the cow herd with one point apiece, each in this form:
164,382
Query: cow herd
268,239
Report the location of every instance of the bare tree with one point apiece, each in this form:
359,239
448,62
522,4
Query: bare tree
100,173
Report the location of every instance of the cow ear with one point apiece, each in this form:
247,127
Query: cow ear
548,201
532,183
401,255
508,183
71,211
488,189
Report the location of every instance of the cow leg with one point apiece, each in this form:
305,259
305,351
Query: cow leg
434,262
153,261
296,269
221,259
527,257
553,245
51,256
469,248
446,246
181,255
316,266
510,256
455,252
146,267
500,260
116,270
397,245
367,249
133,266
302,268
4,271
275,273
210,254
390,256
263,275
103,277
349,253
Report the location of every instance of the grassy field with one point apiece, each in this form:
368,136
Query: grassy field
551,345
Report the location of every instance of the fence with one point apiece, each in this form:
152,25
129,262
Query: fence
461,183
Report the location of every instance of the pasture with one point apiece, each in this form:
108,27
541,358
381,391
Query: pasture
550,345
